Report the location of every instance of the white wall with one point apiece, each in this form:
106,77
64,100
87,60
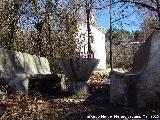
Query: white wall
98,45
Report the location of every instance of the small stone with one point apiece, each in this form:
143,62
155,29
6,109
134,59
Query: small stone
2,95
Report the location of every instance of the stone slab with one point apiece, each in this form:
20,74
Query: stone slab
18,67
146,66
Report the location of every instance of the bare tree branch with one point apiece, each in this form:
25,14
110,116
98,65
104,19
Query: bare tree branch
137,3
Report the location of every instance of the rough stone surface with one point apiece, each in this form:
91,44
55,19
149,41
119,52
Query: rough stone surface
20,83
149,84
19,67
63,82
123,89
118,88
79,88
12,62
146,68
78,70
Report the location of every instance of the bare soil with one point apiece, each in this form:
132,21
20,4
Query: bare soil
65,106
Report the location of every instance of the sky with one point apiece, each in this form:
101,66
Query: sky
102,17
103,21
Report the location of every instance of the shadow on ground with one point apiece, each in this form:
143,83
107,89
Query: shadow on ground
96,104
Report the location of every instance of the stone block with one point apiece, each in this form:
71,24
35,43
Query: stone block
78,71
123,88
18,67
145,83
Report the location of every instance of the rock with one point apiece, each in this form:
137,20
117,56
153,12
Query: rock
79,88
19,83
13,62
63,82
2,95
78,71
123,89
18,67
146,78
149,84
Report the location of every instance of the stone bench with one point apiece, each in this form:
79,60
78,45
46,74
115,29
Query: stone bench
123,89
17,69
22,82
144,77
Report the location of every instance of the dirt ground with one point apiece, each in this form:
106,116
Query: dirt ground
97,106
65,106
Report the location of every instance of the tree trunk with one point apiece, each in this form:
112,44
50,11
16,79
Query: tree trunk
110,34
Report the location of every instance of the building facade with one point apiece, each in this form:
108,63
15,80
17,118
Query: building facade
97,42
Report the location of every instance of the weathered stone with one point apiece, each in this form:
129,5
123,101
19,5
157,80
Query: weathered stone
18,67
149,84
78,70
63,82
146,80
20,83
12,62
2,95
118,86
123,89
79,88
